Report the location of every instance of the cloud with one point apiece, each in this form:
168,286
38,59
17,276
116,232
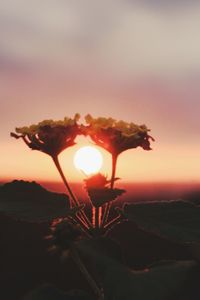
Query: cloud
108,36
163,4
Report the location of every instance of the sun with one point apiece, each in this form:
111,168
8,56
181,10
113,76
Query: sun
88,159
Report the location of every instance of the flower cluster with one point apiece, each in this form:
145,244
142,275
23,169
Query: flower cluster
117,136
48,136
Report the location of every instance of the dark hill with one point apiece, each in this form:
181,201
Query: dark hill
22,186
31,202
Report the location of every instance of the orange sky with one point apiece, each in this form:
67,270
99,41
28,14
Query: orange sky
140,64
164,163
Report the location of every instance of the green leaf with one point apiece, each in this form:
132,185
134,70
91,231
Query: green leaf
30,202
48,292
163,281
178,221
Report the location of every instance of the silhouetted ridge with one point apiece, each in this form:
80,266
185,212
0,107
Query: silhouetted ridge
23,189
31,202
21,185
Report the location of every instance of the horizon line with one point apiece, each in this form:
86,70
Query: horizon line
5,180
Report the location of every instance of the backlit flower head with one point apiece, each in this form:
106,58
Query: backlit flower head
117,136
48,136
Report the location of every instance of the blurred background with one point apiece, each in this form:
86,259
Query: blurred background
133,60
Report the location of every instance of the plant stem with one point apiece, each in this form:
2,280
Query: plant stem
74,222
113,222
72,196
112,182
114,167
100,216
93,216
83,221
96,217
86,274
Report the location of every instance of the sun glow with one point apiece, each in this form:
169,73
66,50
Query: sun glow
88,159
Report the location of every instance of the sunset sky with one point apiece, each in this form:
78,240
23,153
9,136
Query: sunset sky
133,60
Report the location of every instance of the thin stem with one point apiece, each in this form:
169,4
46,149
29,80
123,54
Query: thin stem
93,216
86,274
112,182
100,216
114,167
82,228
82,221
113,222
72,196
96,217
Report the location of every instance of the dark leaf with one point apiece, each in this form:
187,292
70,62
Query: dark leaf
48,292
163,281
175,220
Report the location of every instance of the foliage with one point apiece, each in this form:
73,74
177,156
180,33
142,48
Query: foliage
175,220
48,292
160,281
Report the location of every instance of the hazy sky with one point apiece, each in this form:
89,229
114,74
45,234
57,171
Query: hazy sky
132,60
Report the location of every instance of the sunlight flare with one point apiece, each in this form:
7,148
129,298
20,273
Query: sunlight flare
88,159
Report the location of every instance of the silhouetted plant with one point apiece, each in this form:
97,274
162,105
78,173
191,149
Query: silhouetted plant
116,137
48,136
53,137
